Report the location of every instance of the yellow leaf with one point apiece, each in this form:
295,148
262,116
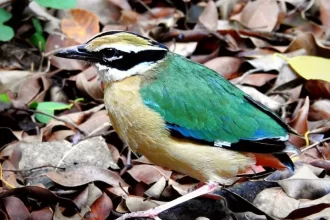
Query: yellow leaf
310,67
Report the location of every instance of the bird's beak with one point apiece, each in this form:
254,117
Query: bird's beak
77,52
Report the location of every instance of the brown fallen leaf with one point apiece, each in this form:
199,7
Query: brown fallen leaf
182,189
135,203
122,4
308,42
260,15
184,49
89,83
118,191
39,194
148,173
76,117
104,9
95,123
156,190
318,89
203,58
258,96
320,110
258,79
276,203
42,214
11,79
84,200
304,184
300,124
100,209
324,164
82,175
81,25
325,13
208,18
54,42
15,208
226,66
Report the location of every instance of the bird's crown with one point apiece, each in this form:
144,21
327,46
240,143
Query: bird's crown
118,54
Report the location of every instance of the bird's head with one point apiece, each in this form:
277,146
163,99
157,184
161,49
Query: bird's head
118,54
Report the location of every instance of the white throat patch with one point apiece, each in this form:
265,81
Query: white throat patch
111,74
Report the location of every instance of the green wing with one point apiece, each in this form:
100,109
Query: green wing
198,103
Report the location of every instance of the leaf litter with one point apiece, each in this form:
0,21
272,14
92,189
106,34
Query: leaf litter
74,166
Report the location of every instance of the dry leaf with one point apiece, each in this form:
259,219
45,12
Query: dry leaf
304,184
15,208
300,124
258,79
320,110
55,42
122,4
325,13
81,25
260,15
258,96
42,214
100,209
135,203
225,66
148,173
209,17
318,89
90,85
311,67
156,190
78,176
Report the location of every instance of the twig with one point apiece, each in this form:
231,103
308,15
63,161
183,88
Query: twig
311,146
66,154
4,181
122,188
51,116
64,192
241,78
94,132
78,213
128,164
95,135
146,7
34,168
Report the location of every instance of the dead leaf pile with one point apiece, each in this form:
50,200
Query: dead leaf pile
61,158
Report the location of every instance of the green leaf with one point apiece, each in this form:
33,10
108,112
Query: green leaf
37,25
49,108
79,100
38,40
4,15
58,4
4,98
6,33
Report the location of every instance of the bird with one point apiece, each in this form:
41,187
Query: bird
182,115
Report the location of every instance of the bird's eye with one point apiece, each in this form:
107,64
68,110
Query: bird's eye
109,53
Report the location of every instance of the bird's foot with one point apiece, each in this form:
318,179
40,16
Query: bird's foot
153,213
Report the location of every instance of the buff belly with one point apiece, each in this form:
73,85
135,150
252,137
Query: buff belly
144,131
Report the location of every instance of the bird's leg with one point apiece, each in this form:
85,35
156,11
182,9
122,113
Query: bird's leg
153,213
128,164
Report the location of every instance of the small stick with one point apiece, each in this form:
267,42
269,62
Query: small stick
311,146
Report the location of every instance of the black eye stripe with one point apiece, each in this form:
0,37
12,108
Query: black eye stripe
129,60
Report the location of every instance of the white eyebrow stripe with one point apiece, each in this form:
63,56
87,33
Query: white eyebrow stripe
128,48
